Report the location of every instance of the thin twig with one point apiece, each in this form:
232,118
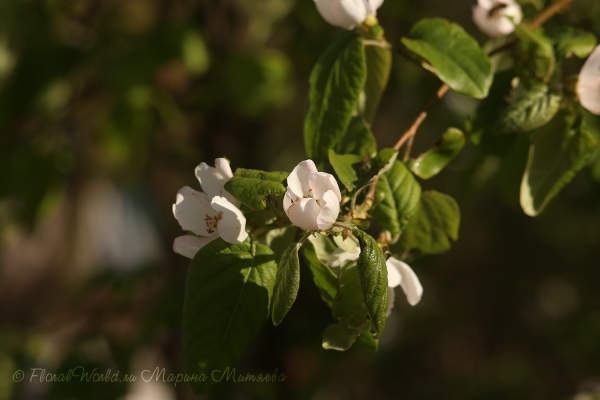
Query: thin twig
410,133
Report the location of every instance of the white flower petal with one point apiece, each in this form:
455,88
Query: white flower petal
588,86
339,256
498,24
356,11
487,4
299,179
410,284
194,213
304,214
232,225
330,209
189,245
288,200
223,167
210,179
373,6
345,14
322,182
393,273
391,298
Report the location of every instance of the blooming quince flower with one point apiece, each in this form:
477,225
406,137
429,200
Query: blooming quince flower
493,17
312,199
210,213
588,87
347,14
399,272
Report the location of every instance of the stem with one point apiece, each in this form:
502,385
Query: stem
549,12
544,16
409,134
377,43
303,238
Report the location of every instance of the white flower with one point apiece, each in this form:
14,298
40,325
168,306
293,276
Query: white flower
347,14
497,17
210,213
399,273
312,199
588,87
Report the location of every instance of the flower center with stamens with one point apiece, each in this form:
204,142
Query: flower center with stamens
213,222
496,11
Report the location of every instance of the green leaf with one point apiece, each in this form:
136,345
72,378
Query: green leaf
339,337
287,283
532,109
358,139
534,53
429,231
227,297
324,278
488,113
430,163
372,272
251,186
569,42
453,55
377,165
398,194
557,152
342,165
379,66
336,83
279,239
350,310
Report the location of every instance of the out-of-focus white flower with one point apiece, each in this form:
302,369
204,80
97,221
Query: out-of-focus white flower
399,273
312,199
347,14
210,213
497,17
588,87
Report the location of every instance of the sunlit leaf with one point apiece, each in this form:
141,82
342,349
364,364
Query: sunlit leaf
430,163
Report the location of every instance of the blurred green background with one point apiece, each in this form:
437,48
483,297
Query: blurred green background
107,106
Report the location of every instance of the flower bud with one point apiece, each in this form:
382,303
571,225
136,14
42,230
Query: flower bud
347,14
588,87
497,17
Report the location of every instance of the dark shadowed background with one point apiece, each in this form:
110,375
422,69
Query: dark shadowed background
107,106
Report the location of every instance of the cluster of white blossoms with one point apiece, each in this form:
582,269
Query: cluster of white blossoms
588,86
497,17
209,214
347,14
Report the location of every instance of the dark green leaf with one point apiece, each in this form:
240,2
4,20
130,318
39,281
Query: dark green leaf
342,165
358,139
379,65
227,297
349,309
569,42
532,109
251,186
287,283
324,279
534,53
398,195
453,55
336,83
558,151
378,165
372,272
279,239
429,231
430,163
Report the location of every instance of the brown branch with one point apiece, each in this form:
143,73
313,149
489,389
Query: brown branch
549,12
409,134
